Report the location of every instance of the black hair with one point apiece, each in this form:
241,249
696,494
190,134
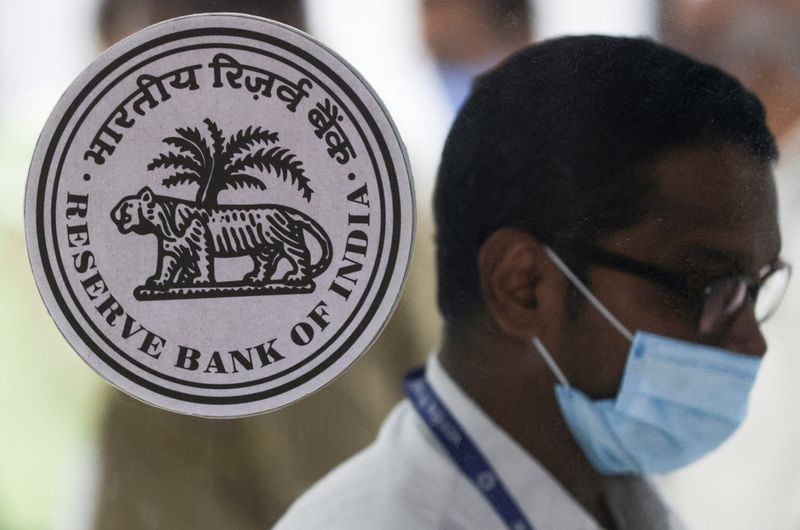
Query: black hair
553,141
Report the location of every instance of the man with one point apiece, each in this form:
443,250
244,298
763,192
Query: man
593,191
758,43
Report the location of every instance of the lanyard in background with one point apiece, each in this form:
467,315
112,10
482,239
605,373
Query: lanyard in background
462,450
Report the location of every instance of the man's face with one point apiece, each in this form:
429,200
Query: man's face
713,215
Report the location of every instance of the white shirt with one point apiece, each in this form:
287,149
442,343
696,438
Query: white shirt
407,480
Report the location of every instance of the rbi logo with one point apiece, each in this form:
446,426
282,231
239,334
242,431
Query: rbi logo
219,215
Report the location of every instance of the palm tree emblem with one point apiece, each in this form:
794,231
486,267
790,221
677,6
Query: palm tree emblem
227,164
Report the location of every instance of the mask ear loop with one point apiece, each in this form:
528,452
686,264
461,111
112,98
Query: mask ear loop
550,362
588,294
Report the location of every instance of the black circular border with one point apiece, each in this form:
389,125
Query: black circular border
393,251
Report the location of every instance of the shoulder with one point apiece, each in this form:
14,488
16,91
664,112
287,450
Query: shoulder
400,481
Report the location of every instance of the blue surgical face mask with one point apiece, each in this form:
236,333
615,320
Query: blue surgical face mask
677,401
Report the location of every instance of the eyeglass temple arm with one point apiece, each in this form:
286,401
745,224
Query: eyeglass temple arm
673,281
588,294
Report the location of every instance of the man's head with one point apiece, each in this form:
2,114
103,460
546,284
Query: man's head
757,42
620,144
472,31
119,18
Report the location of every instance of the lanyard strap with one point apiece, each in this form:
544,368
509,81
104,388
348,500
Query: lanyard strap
462,450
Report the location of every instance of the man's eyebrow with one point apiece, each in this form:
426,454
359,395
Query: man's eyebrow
704,257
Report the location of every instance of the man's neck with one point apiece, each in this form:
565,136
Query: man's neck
514,387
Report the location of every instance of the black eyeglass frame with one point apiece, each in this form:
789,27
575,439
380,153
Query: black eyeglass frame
677,282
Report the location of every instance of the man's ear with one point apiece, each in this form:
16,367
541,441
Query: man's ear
517,282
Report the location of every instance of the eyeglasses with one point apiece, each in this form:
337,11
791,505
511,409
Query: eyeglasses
720,301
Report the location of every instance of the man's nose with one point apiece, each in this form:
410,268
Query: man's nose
745,333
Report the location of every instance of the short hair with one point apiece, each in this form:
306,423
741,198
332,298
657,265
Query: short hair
554,140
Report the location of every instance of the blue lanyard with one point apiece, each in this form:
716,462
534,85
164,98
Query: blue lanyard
462,450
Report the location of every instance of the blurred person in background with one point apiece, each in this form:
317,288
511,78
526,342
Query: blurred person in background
172,471
160,469
759,43
590,187
466,37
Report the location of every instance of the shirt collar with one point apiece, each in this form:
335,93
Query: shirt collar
539,495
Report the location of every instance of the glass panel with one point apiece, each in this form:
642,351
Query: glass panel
78,453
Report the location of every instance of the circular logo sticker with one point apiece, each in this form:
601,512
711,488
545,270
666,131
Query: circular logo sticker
219,215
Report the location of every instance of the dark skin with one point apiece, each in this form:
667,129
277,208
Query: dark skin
714,214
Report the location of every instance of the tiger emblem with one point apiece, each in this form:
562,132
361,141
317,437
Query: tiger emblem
190,237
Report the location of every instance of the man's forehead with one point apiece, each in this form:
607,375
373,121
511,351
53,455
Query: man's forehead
711,206
712,181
